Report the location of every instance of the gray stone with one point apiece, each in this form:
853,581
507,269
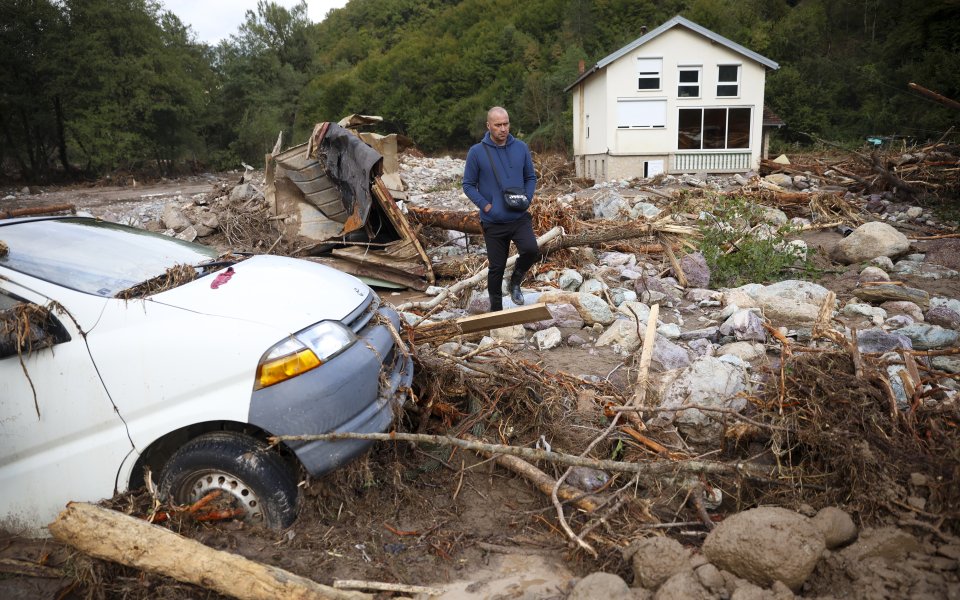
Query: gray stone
878,341
609,204
591,286
948,364
644,209
702,294
747,351
780,179
707,333
547,339
587,479
927,337
242,192
885,292
766,544
869,241
898,321
667,355
616,259
871,274
702,347
903,307
622,333
187,234
951,303
744,325
634,310
792,302
621,295
173,218
709,382
695,267
944,317
671,331
511,334
883,262
570,280
837,527
592,309
875,314
773,216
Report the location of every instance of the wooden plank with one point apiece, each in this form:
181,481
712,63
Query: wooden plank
407,277
484,322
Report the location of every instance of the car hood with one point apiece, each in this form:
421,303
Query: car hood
287,293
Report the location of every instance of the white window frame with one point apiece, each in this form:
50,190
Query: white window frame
698,69
735,82
641,113
650,68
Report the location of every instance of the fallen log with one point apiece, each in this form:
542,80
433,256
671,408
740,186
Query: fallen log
457,220
657,467
38,210
110,535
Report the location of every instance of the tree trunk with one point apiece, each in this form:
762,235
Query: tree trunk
465,221
113,536
61,134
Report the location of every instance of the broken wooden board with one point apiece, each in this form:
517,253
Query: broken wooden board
484,322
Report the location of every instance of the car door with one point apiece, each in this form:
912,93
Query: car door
61,437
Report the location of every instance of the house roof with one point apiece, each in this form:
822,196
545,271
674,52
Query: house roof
771,119
674,22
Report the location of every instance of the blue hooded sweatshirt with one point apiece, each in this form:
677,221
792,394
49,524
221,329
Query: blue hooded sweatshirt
515,169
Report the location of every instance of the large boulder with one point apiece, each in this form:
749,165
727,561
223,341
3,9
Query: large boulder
869,241
766,544
791,302
708,382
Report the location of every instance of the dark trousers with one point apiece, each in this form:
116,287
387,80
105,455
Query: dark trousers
497,237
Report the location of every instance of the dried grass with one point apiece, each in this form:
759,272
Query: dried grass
175,276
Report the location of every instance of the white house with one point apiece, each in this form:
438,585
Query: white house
677,99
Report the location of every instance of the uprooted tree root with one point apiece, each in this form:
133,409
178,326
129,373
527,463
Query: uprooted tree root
852,451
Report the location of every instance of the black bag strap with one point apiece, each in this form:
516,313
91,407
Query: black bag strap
493,166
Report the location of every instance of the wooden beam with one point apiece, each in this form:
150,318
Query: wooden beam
484,322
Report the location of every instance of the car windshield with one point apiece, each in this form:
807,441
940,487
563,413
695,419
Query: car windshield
93,256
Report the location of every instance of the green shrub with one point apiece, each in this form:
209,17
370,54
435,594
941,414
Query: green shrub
740,246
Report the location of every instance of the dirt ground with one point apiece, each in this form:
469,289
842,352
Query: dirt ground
433,516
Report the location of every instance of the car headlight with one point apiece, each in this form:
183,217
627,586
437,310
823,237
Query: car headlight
303,351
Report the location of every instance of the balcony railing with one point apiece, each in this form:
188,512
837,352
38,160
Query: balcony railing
711,162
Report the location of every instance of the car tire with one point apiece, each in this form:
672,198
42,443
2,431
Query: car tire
253,477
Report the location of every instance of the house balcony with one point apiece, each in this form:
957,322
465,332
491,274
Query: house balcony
711,162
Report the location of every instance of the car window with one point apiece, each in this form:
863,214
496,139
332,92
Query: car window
26,327
94,256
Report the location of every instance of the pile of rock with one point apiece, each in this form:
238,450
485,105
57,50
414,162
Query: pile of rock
770,553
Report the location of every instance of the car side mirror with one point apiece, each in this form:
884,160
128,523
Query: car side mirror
26,328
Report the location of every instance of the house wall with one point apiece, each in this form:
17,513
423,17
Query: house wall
628,148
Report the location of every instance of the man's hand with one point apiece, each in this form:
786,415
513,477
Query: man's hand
487,208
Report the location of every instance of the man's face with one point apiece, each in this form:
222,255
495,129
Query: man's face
499,127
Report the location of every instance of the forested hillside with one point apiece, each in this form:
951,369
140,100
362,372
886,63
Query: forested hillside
90,86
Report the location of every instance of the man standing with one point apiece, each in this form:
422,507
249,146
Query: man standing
498,162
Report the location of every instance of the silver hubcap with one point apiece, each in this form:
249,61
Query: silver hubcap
232,488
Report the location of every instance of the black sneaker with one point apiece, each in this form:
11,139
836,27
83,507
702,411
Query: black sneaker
516,294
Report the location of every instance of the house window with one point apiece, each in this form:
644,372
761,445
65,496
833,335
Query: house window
728,80
588,127
648,73
689,82
641,113
713,128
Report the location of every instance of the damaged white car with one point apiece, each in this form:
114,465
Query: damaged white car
125,353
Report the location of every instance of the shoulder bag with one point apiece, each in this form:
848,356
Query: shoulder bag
515,198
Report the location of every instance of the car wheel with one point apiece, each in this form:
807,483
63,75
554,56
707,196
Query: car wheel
249,475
